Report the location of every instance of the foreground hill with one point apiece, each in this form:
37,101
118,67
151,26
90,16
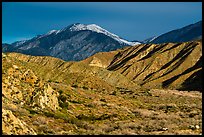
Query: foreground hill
46,95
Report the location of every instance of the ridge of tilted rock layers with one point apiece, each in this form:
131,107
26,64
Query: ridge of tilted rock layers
168,65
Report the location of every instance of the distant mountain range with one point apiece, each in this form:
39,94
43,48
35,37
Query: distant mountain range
74,42
79,41
187,33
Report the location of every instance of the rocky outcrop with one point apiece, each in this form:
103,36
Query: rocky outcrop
101,59
45,98
96,62
24,87
11,125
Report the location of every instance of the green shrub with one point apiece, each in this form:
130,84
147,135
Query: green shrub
60,92
49,80
84,87
49,114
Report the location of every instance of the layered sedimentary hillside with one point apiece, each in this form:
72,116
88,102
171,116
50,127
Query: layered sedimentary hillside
168,65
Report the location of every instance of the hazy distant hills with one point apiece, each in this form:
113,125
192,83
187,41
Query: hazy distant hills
75,42
187,33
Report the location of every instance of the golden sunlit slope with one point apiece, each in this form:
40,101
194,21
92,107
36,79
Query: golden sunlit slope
168,65
46,95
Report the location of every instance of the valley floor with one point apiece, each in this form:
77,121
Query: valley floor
146,112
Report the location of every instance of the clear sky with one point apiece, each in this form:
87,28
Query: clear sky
129,20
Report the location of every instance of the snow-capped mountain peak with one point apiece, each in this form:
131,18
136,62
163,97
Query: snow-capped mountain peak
92,27
98,29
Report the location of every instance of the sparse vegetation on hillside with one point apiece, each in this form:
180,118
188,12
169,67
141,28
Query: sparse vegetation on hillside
48,96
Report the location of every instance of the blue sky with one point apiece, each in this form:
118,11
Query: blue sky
129,20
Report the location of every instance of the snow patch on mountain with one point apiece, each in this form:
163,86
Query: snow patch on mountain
18,43
153,38
149,39
49,33
98,29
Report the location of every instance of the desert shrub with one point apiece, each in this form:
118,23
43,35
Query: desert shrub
106,116
113,93
49,80
60,92
185,109
92,117
49,114
31,111
89,105
103,100
60,115
63,104
76,101
84,87
191,115
168,108
85,125
109,129
56,81
137,113
149,128
85,117
63,100
147,92
45,129
74,85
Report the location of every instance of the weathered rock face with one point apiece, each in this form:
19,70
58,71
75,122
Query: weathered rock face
10,85
24,87
101,59
166,65
11,125
96,62
45,98
30,77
